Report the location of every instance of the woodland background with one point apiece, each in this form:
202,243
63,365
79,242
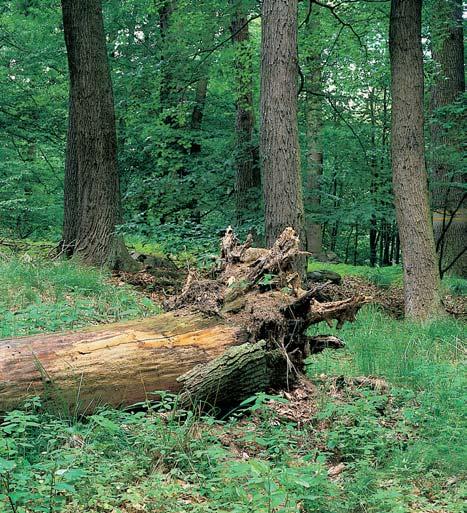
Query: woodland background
178,179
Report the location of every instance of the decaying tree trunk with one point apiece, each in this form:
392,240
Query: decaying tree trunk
224,339
113,364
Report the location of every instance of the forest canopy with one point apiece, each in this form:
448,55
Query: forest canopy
186,83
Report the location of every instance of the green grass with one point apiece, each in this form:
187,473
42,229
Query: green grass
387,276
402,445
41,295
424,362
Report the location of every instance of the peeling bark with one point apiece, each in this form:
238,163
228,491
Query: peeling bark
224,340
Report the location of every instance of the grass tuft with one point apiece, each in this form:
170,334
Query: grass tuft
44,296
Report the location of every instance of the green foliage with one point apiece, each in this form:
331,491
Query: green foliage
179,200
381,276
40,295
400,438
386,277
424,359
456,286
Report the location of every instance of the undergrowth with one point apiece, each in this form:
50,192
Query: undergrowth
39,295
387,276
390,442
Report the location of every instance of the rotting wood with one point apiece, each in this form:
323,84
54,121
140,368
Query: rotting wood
225,338
113,364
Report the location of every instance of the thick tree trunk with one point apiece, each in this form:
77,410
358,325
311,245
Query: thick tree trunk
280,155
314,124
421,279
450,214
225,340
91,191
166,91
113,364
247,176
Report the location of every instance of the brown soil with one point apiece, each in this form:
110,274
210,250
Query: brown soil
164,284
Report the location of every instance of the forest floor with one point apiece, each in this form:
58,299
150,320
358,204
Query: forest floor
377,427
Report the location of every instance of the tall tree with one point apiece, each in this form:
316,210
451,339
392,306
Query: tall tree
198,110
421,279
247,175
449,196
314,125
167,86
279,148
91,190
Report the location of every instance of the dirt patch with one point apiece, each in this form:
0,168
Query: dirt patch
158,283
390,299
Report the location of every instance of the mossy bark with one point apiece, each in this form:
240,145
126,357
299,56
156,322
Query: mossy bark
235,375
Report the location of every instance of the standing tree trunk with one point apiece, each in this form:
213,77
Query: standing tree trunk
198,111
280,155
91,191
449,220
314,123
421,279
166,91
247,177
374,190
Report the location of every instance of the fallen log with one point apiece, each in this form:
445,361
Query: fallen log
226,338
113,364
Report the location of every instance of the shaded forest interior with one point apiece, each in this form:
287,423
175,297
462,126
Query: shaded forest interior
187,95
233,248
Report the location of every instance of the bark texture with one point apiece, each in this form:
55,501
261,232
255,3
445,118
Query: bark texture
167,86
279,148
450,214
91,190
225,339
114,364
314,124
198,111
421,279
247,177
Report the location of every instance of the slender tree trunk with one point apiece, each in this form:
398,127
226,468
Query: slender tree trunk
347,245
355,245
450,214
393,243
387,245
198,111
421,279
373,240
374,182
381,241
397,250
166,90
247,175
91,190
335,225
279,128
334,233
314,123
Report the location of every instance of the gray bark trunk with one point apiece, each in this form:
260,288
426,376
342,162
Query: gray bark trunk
314,117
421,279
247,175
280,155
450,215
91,191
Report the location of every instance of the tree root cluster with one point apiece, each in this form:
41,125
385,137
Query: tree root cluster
242,331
